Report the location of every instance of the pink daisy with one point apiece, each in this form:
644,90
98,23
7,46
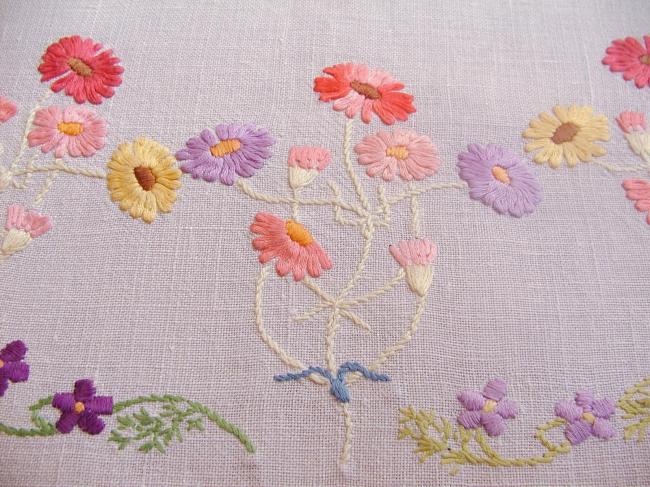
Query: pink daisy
403,151
631,58
74,130
7,109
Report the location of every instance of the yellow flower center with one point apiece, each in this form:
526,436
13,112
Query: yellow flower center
298,233
79,407
398,152
225,147
70,128
500,174
145,177
564,133
79,67
365,89
589,418
2,364
489,406
645,59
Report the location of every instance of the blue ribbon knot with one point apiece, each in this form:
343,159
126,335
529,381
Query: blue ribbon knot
338,387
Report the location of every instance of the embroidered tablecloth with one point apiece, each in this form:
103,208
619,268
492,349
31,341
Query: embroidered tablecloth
370,243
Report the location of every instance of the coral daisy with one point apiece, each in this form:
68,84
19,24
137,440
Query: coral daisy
499,179
74,130
411,155
7,109
142,177
89,74
630,57
355,87
291,243
233,148
569,135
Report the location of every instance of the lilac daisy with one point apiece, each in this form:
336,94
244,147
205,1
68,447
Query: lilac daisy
499,179
82,408
488,408
231,148
12,367
585,417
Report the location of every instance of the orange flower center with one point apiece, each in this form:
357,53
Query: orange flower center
70,128
645,59
564,133
79,67
225,147
298,233
365,89
589,418
145,177
2,364
79,407
489,406
398,152
500,174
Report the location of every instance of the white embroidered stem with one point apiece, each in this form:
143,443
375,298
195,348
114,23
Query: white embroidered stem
331,328
308,315
347,162
377,292
415,214
347,428
338,217
383,204
425,189
49,181
615,168
294,205
28,125
367,231
60,166
354,318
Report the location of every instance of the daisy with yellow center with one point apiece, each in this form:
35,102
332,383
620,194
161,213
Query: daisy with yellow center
570,134
143,179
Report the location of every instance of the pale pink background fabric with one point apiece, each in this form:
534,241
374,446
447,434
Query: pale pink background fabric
552,303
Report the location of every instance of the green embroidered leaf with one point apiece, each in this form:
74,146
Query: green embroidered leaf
635,403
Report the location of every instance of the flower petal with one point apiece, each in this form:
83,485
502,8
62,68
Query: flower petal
67,422
568,410
495,389
13,351
15,371
84,390
603,408
577,432
493,423
91,423
100,405
63,401
603,429
471,400
470,419
507,409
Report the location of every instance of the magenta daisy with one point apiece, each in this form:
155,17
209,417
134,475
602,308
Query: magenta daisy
230,149
82,407
631,58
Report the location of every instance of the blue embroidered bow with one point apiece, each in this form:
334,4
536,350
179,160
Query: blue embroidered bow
339,389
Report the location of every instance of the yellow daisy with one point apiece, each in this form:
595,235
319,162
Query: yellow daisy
142,177
569,135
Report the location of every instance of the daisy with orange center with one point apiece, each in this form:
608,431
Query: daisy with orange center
291,244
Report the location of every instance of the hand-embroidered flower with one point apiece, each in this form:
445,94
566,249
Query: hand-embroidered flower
499,179
234,148
633,124
12,367
488,408
630,57
82,408
7,109
586,417
402,152
291,243
356,88
74,130
21,227
569,135
89,74
416,256
142,177
638,190
305,163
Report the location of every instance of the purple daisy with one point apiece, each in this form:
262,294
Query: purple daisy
82,408
499,179
234,148
488,408
586,416
12,368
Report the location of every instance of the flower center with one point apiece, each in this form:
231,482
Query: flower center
398,152
298,233
70,128
79,407
365,89
589,418
225,147
500,174
145,177
645,59
79,67
2,364
564,133
489,406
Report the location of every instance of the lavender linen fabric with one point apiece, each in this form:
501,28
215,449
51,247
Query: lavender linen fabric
553,302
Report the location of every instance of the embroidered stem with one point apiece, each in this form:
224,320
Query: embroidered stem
425,189
294,205
330,333
42,427
49,181
60,166
635,404
347,433
415,214
28,125
615,168
347,162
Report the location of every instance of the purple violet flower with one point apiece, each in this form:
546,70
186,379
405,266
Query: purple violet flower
12,368
586,416
233,148
487,408
499,179
81,408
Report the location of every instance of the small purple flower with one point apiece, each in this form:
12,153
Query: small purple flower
586,417
234,148
487,409
499,179
12,368
81,408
